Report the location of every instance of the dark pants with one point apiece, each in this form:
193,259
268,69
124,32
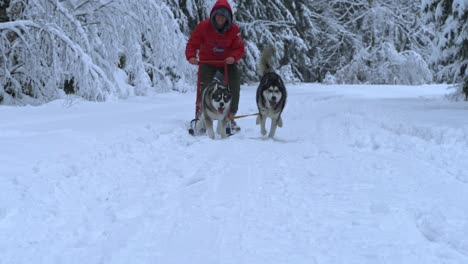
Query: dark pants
207,72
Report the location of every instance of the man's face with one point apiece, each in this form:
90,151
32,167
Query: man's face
220,20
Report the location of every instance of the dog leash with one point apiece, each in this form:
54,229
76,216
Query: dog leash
242,116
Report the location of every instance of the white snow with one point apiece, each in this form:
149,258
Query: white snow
358,174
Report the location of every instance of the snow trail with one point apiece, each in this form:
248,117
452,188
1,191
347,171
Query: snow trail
358,174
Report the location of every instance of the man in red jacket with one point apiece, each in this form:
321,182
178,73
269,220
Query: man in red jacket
218,39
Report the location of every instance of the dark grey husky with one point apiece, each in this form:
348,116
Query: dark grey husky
271,94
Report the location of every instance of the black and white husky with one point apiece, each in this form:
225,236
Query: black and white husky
214,105
271,94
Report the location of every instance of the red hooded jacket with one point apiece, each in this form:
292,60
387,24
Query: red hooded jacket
212,44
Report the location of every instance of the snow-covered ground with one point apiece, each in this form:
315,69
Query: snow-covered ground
358,174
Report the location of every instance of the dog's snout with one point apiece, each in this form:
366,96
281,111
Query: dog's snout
221,104
273,98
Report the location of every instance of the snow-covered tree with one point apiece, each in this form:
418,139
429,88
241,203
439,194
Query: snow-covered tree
450,18
326,36
385,65
271,23
389,43
94,49
114,48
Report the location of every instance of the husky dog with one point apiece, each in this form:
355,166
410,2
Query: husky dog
214,105
271,94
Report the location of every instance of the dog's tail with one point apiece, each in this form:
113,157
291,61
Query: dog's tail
219,77
266,58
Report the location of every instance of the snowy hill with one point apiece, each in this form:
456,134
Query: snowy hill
358,174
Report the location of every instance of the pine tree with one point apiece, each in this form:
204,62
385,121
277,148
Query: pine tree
450,18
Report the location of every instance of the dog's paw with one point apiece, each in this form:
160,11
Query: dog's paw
222,132
263,131
211,134
257,121
280,122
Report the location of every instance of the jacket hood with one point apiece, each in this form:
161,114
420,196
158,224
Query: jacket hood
219,4
221,7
